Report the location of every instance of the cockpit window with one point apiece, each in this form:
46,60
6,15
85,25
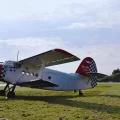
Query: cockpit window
12,64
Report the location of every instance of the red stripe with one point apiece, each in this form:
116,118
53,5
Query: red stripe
63,51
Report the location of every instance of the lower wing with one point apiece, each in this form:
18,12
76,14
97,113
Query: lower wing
37,84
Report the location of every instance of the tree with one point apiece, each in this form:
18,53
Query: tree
116,71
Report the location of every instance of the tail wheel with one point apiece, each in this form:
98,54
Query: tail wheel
75,91
80,93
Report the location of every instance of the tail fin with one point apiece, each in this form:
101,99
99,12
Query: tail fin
86,68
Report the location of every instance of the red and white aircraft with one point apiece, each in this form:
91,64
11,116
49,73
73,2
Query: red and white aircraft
31,72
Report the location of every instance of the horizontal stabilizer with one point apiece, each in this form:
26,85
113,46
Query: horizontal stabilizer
88,74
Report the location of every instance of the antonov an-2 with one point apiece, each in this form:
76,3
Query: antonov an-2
32,72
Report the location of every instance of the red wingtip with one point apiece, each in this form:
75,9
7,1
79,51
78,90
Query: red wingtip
62,51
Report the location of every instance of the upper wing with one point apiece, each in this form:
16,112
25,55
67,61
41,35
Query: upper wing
49,58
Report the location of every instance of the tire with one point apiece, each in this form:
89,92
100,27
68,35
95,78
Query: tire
2,93
11,94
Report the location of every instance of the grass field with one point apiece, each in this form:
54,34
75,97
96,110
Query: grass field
100,103
1,82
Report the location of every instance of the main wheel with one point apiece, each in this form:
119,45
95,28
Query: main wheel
2,93
11,94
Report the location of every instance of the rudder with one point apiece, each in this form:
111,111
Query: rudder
88,65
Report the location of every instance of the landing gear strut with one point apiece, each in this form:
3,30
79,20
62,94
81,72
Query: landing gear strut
80,92
9,91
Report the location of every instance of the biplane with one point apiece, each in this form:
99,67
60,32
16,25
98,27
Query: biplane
32,72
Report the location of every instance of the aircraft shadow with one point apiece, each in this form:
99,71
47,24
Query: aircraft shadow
66,100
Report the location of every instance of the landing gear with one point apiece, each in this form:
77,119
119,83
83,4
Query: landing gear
11,94
2,93
80,93
9,90
75,91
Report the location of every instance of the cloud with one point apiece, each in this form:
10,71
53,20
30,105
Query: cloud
32,42
68,15
92,14
64,15
106,54
85,25
80,10
27,46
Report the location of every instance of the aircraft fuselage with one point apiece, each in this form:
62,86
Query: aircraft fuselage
64,81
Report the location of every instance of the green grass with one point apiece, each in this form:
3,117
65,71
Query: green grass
100,103
1,82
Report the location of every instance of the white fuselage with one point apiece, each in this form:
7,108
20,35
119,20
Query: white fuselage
64,81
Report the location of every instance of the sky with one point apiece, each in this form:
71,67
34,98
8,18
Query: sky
85,28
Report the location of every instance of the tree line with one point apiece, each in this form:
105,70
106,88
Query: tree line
116,71
115,77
